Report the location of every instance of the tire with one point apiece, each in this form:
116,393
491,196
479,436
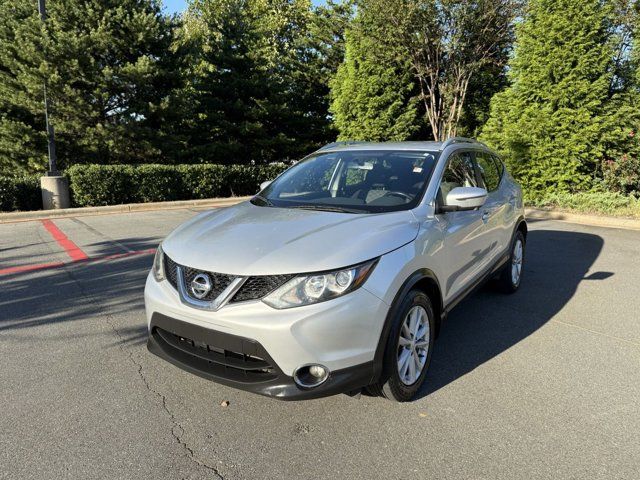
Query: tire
509,281
393,384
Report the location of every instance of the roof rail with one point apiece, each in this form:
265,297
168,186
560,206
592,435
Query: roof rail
340,144
453,140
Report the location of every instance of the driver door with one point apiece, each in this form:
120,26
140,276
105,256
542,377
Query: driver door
466,246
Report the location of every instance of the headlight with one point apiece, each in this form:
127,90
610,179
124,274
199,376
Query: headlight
158,265
319,287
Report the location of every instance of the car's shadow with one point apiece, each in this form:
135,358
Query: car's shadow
105,285
488,322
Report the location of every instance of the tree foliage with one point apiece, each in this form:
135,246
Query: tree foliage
565,105
411,64
373,93
105,62
257,78
241,81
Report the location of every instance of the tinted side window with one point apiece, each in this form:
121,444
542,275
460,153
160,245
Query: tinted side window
459,173
488,170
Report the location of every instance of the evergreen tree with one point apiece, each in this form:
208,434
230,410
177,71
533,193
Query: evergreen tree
552,122
373,95
256,79
319,54
22,137
225,80
108,74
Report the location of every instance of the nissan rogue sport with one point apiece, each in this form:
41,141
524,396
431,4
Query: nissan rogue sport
338,274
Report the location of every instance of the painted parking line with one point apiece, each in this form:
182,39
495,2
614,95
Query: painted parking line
76,254
71,248
29,268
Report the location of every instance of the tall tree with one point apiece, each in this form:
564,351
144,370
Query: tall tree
373,93
448,48
257,77
551,122
453,45
319,54
108,75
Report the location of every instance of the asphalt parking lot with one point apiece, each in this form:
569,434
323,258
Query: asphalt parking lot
541,384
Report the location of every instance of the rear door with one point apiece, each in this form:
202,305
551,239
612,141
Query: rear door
495,211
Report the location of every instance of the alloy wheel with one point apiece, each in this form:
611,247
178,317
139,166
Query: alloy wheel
413,345
516,262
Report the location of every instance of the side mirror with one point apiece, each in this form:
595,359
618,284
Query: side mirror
464,198
264,185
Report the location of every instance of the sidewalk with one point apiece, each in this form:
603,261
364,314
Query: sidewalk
10,217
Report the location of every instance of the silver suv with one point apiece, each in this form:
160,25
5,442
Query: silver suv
339,273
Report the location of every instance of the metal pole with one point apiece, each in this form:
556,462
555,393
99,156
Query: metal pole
53,167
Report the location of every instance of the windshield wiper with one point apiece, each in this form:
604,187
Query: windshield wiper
265,202
328,208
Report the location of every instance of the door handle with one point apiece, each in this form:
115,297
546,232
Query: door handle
485,216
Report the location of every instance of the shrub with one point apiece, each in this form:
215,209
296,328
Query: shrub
158,183
604,203
96,185
7,194
20,193
93,185
203,181
622,175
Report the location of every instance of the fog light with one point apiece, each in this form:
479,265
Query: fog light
309,376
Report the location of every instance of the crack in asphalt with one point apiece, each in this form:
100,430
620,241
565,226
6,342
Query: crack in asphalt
176,424
190,454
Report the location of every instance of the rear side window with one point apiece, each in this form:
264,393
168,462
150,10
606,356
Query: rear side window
499,164
488,170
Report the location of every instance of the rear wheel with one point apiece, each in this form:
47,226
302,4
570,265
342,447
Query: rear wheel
408,351
511,275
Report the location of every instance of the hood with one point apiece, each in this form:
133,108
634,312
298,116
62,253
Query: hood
250,240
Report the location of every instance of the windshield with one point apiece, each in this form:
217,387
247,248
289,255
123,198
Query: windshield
371,181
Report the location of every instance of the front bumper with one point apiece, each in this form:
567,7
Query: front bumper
240,362
340,334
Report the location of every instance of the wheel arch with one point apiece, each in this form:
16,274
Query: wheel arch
424,280
521,226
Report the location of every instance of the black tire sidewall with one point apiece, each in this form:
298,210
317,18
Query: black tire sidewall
507,280
392,386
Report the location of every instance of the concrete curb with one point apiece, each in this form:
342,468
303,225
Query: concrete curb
583,219
532,213
11,217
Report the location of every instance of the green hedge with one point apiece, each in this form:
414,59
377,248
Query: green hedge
20,193
93,185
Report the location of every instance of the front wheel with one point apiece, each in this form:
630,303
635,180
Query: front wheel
408,351
512,274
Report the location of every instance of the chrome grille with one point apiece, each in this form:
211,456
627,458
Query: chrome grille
219,282
254,288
